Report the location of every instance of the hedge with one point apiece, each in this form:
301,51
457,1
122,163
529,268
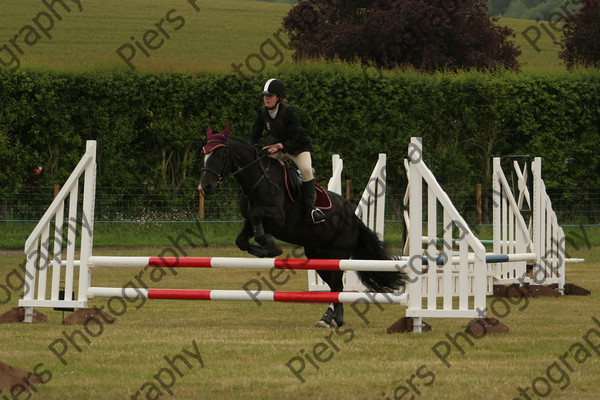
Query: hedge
151,126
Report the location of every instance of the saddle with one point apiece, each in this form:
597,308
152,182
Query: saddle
293,187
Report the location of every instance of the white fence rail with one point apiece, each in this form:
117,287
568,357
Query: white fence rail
49,232
469,281
513,233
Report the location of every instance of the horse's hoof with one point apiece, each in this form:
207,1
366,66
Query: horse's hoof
334,323
275,252
322,324
259,254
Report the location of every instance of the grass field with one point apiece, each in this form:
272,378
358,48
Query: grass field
240,350
245,348
219,34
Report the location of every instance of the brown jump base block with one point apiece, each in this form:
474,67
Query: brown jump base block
11,377
573,290
78,317
405,324
477,327
516,290
82,315
483,326
17,314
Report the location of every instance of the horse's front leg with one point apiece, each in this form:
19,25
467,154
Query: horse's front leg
269,247
243,241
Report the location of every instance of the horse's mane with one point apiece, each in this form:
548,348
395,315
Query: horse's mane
242,144
238,140
249,147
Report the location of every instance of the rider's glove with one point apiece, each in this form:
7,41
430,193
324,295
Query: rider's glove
272,148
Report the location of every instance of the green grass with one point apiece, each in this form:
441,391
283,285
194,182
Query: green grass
216,234
539,52
219,34
222,33
245,347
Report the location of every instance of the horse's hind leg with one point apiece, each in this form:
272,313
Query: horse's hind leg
334,315
338,314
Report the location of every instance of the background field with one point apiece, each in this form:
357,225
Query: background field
245,347
221,33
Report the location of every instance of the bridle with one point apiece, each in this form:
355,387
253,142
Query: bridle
260,155
220,175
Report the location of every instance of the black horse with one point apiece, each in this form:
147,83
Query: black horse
269,211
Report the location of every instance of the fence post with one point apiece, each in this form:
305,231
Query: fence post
201,207
478,203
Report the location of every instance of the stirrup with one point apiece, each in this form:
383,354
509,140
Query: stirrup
317,216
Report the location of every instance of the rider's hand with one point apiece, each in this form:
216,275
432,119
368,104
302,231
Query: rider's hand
272,148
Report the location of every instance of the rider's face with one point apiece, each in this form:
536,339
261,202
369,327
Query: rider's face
270,100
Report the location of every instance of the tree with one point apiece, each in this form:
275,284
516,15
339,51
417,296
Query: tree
581,36
428,35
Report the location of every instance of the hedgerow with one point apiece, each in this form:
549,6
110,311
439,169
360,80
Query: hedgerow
150,127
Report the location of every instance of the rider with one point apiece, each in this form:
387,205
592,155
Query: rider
287,140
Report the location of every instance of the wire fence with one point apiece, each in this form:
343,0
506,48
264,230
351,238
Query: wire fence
160,204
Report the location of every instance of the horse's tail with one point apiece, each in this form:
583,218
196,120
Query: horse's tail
371,247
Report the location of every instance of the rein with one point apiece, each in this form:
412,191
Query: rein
259,157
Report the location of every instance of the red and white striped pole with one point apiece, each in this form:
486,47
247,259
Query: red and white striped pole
245,295
250,263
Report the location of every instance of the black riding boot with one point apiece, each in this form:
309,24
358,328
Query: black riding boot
312,214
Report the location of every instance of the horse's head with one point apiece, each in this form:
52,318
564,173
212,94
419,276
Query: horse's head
217,162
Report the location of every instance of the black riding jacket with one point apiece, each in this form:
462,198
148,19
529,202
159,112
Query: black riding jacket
285,128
